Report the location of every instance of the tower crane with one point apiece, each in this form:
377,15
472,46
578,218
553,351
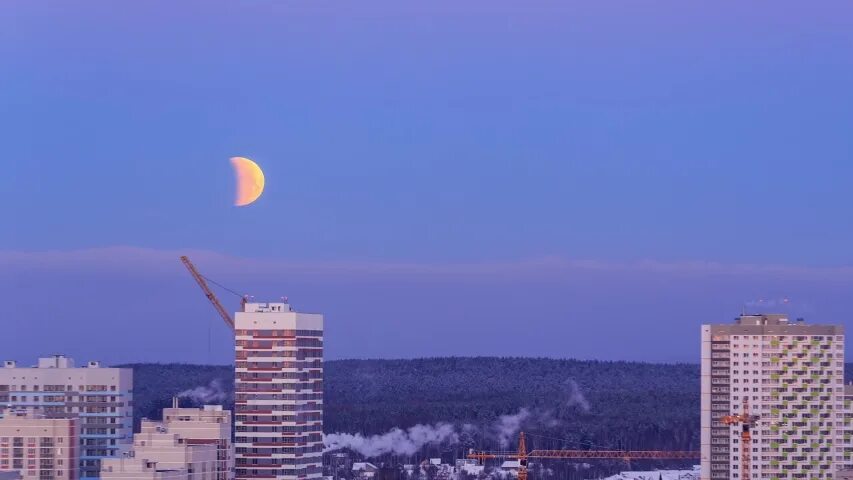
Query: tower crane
746,421
202,282
522,455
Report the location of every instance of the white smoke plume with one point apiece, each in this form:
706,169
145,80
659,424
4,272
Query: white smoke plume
408,442
212,393
508,425
504,430
769,302
575,396
396,441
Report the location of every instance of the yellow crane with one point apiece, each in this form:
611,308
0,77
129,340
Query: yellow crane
522,455
202,282
747,421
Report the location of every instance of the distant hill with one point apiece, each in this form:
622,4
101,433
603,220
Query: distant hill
629,403
584,404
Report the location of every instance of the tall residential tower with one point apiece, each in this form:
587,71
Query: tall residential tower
791,375
279,392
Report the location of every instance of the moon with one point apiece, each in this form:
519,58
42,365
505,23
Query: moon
250,181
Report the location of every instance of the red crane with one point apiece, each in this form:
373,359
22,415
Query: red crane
199,278
746,421
522,455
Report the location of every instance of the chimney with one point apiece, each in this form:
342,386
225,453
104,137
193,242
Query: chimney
174,402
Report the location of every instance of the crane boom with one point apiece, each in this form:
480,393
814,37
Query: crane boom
522,455
208,292
591,454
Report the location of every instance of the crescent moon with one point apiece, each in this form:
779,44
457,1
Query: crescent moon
250,181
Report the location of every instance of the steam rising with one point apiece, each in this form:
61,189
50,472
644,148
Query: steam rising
396,441
508,425
575,397
212,393
503,431
769,302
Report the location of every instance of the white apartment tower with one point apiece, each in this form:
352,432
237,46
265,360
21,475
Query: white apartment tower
279,393
791,375
102,399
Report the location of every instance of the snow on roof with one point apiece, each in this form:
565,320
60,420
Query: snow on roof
659,474
359,466
510,464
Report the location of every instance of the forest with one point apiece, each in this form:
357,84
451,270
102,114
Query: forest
572,404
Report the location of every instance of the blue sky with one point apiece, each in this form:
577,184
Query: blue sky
438,135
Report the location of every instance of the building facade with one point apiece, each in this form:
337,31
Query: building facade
102,398
279,392
210,425
39,448
790,375
132,468
157,449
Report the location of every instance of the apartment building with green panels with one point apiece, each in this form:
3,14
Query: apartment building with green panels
792,375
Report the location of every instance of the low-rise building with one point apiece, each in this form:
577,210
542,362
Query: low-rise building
364,470
692,474
511,467
101,397
132,468
37,447
159,453
470,467
210,425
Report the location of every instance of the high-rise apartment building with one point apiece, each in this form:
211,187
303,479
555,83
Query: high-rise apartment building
279,392
210,425
847,436
39,448
791,375
102,398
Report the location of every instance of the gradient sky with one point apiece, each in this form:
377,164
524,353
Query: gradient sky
570,179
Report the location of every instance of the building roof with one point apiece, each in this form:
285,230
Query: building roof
658,474
359,466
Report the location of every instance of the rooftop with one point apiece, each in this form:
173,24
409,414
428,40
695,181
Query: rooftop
767,319
53,361
269,307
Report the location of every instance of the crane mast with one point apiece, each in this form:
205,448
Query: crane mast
746,421
208,292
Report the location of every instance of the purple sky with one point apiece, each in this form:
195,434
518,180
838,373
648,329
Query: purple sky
512,178
131,304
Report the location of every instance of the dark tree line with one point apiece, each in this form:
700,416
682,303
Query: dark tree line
574,404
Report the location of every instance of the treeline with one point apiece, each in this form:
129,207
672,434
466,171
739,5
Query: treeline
572,403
